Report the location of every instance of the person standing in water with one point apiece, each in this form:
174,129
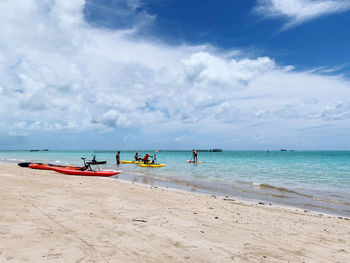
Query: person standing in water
117,158
194,153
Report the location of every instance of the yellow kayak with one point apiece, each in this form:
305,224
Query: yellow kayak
152,165
135,162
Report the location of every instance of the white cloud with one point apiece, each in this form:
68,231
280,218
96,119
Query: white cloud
300,11
336,111
59,73
180,138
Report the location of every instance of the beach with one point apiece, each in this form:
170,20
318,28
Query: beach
50,217
311,180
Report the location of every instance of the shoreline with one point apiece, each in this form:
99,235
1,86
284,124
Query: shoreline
238,199
254,194
46,216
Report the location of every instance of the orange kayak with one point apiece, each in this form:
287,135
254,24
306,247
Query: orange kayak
48,166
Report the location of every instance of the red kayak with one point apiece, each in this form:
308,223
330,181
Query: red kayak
84,172
48,166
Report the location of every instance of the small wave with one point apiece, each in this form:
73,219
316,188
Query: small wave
10,159
283,189
259,193
275,188
149,178
338,202
265,186
203,177
327,208
316,198
243,182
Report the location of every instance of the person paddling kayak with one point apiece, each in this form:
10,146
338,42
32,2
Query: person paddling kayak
145,158
137,158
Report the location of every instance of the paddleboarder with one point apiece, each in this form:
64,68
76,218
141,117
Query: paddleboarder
194,153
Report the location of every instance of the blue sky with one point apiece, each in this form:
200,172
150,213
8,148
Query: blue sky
166,74
236,24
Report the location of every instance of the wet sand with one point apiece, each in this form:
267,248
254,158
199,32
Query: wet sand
51,217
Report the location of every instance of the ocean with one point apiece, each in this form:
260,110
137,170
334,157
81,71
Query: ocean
311,180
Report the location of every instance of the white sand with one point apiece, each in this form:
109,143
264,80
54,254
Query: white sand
51,217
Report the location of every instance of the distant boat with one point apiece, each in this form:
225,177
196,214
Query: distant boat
210,150
283,150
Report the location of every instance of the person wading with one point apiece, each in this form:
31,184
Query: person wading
117,158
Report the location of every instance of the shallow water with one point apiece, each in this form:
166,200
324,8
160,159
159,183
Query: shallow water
314,180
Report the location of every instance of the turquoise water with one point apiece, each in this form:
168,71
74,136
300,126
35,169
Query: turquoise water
315,180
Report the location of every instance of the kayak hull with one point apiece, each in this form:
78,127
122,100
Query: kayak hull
152,165
134,162
85,172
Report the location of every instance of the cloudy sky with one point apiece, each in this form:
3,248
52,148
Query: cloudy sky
174,74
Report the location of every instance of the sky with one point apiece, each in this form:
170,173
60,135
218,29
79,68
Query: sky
175,74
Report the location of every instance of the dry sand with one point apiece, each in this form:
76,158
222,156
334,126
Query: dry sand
51,217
